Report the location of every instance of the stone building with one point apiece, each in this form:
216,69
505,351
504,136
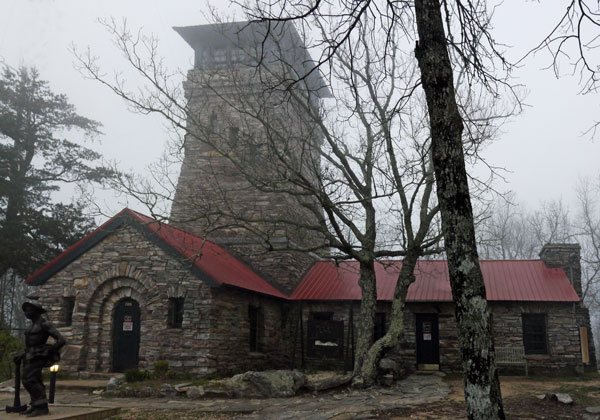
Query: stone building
209,295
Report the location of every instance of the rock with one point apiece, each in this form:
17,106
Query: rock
386,380
593,410
541,396
97,391
167,390
330,382
126,392
84,375
218,389
114,383
387,365
195,392
182,387
146,392
561,398
268,384
564,398
590,417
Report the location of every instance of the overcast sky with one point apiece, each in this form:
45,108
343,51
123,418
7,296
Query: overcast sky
543,148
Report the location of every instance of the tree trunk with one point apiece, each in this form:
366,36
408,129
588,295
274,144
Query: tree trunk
366,321
394,333
482,387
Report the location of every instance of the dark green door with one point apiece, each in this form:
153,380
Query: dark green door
126,335
428,342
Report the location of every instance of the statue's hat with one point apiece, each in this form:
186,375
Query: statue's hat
34,306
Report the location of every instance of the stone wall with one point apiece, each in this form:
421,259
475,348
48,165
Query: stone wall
234,186
229,342
563,322
126,264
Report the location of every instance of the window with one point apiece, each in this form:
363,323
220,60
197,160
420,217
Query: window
68,307
534,333
234,134
379,329
254,317
321,316
213,122
175,315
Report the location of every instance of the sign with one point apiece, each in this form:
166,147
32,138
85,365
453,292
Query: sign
127,326
325,339
426,331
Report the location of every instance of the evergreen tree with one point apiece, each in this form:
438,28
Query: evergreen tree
36,158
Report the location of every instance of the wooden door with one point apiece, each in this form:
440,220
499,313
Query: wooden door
126,335
428,342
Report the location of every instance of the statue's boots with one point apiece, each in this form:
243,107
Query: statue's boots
40,410
28,411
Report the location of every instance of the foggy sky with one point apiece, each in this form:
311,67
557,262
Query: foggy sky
543,148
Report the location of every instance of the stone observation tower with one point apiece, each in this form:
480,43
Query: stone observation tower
252,146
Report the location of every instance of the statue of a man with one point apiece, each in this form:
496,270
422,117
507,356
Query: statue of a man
38,355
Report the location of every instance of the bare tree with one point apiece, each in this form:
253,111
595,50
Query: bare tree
345,171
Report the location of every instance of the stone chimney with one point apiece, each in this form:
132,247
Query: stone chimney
567,257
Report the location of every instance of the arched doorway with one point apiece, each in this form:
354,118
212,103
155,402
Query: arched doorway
126,335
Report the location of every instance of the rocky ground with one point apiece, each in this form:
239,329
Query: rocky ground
522,398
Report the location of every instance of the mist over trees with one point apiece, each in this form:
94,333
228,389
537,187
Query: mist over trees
511,230
39,153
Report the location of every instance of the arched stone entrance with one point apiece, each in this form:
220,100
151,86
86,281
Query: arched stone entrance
126,335
99,319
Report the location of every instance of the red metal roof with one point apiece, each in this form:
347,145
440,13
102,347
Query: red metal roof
212,260
512,280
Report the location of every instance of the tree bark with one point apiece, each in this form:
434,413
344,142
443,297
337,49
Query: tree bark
392,337
482,387
366,323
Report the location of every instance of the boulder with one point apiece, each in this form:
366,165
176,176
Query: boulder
267,384
387,365
218,389
167,390
194,392
114,383
593,410
561,398
327,382
146,392
386,380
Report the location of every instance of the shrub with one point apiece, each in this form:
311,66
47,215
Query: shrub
161,369
9,346
136,375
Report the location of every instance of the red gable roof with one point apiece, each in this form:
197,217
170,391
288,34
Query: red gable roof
524,280
215,265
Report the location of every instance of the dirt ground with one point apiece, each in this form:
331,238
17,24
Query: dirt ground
519,395
520,401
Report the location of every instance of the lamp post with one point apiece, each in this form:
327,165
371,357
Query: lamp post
53,370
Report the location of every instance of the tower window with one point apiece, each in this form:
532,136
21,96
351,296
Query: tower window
175,314
213,122
234,134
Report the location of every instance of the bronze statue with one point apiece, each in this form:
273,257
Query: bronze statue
37,356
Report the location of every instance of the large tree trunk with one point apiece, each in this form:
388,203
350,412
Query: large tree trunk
366,322
482,387
394,333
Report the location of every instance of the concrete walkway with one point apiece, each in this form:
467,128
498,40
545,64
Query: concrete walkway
343,405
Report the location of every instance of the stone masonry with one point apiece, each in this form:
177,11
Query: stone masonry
126,264
244,145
